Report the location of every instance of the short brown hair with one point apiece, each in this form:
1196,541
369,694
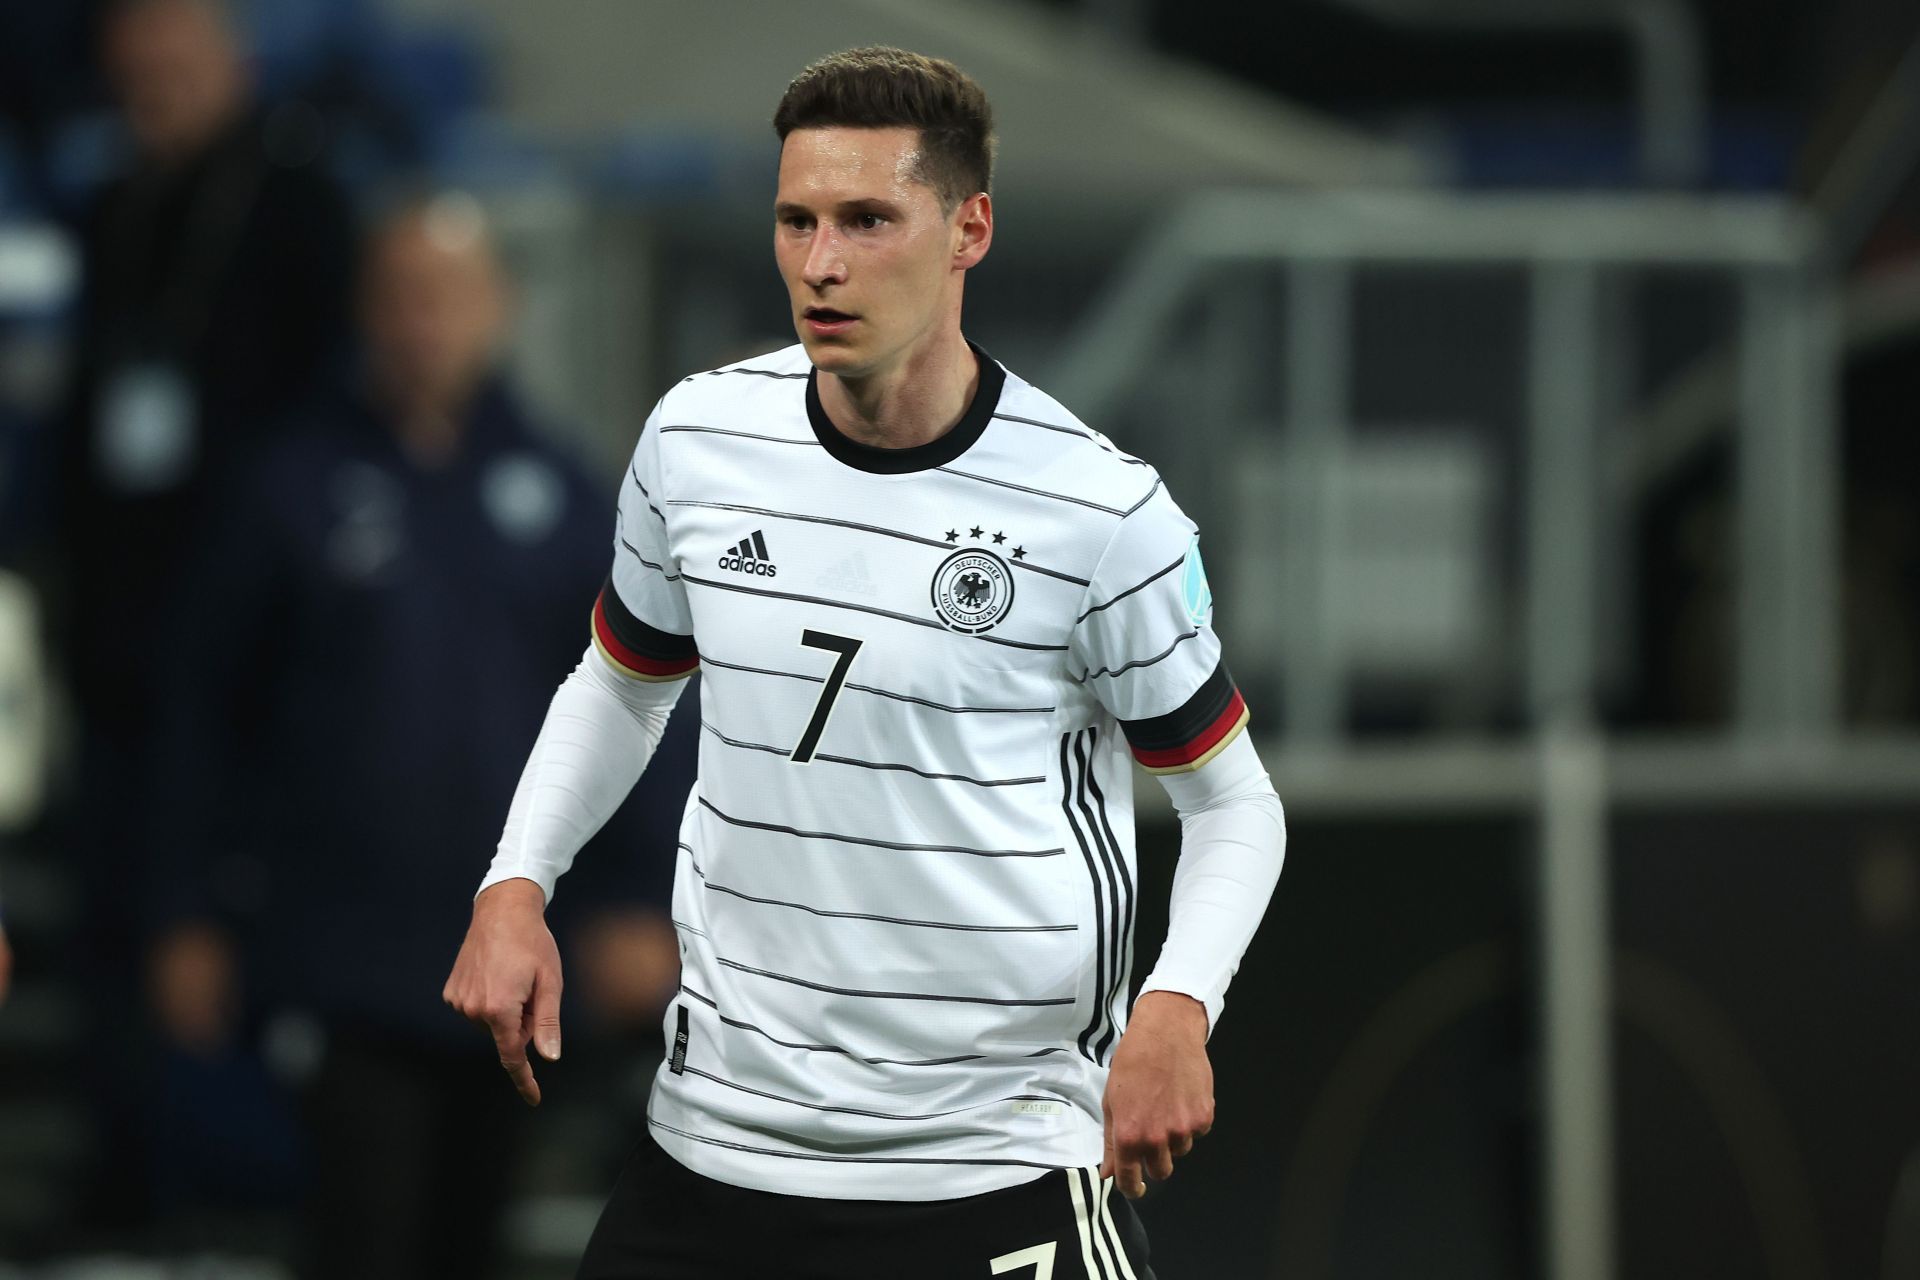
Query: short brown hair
881,88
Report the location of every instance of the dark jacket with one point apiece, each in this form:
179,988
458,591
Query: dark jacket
369,651
222,285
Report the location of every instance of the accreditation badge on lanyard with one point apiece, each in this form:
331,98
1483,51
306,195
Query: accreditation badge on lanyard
147,434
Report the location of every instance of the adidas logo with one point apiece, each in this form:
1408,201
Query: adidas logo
848,577
750,557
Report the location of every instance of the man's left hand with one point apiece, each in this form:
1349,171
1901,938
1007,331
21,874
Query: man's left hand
1159,1091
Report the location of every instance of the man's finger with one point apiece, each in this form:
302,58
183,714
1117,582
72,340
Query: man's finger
521,1073
1127,1177
1182,1144
544,1011
513,1059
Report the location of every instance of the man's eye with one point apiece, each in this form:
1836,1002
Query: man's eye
870,221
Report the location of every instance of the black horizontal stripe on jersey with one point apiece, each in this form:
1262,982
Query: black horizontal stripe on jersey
862,528
741,1025
1162,656
1100,950
901,920
1050,426
1038,493
1151,490
1088,436
872,609
744,435
858,1111
875,843
657,568
633,474
710,661
1187,721
1149,580
1119,883
838,1159
757,373
871,764
863,915
696,932
860,994
642,638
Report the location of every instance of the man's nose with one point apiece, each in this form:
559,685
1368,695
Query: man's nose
825,263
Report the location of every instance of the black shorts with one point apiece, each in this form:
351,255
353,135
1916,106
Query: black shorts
666,1222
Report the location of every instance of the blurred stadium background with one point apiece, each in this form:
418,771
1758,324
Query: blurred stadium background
1543,373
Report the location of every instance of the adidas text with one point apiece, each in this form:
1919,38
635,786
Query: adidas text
739,565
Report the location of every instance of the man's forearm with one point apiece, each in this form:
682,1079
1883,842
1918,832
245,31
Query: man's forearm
600,731
1233,839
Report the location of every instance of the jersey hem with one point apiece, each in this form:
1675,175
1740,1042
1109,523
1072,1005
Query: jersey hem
832,1180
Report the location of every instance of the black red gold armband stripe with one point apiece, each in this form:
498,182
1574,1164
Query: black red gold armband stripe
1192,734
643,652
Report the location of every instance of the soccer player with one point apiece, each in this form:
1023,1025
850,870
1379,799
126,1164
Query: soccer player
937,615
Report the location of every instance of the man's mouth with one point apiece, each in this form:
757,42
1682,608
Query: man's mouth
824,316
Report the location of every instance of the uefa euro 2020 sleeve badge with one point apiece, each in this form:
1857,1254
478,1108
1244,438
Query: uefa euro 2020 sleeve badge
1193,586
972,591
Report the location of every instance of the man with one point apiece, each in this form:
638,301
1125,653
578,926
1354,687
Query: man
216,294
374,618
216,277
933,611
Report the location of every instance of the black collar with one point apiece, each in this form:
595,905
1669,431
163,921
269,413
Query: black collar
919,457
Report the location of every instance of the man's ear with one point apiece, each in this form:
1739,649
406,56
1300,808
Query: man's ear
973,230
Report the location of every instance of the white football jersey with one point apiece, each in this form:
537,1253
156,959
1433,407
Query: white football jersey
906,881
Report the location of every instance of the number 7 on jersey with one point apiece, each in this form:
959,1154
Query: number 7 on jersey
1040,1258
846,647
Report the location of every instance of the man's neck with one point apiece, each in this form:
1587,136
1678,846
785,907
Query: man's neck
190,148
915,403
431,426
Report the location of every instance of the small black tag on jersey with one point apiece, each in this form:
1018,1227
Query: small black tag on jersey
679,1063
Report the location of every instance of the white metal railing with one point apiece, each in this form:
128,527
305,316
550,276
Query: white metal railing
1788,648
1568,776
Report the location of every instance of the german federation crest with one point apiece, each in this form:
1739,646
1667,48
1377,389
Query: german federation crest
972,591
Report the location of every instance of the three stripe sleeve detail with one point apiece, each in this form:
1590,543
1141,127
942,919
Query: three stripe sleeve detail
1112,888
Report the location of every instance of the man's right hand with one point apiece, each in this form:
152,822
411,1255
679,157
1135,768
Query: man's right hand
507,978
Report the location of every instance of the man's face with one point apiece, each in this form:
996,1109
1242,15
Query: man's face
176,72
432,308
872,262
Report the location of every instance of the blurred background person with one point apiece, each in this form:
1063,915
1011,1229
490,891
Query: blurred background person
391,589
216,271
215,275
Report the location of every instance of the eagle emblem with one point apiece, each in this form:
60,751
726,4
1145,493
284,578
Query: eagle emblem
972,591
